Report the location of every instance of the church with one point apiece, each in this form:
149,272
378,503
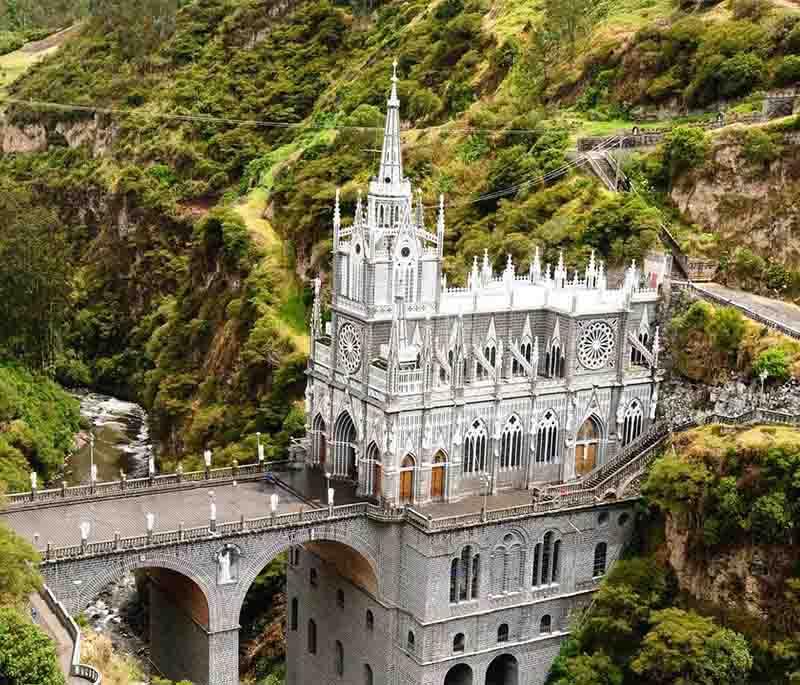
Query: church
425,393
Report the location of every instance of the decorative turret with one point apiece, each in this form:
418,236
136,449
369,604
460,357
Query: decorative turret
486,272
316,311
560,274
440,225
536,267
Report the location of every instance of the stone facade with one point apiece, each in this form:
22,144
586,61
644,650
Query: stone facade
427,393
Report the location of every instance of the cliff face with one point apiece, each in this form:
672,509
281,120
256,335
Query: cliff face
748,577
750,198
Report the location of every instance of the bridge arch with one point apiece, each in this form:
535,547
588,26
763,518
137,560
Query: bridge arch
116,570
254,564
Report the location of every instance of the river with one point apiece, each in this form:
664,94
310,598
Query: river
122,439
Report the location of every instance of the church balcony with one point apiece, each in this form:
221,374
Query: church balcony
346,304
410,381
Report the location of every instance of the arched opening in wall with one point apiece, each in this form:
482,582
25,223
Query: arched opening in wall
438,473
319,441
290,627
374,462
344,446
158,616
587,446
504,670
460,674
407,479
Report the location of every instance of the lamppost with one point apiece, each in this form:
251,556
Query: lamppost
487,484
92,470
763,377
328,480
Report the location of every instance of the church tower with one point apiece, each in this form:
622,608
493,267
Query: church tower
387,253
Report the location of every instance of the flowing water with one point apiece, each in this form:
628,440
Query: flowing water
122,439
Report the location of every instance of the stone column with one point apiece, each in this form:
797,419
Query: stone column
223,657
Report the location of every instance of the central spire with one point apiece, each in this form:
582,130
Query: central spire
391,171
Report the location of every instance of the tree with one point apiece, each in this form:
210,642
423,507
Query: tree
775,362
34,279
27,655
566,21
726,330
677,485
594,669
683,647
685,147
18,574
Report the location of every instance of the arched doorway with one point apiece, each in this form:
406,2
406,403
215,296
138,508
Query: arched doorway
344,446
374,462
504,670
460,674
319,441
587,446
438,475
407,479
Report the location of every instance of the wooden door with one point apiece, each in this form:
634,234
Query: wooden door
437,482
406,485
376,480
585,458
591,456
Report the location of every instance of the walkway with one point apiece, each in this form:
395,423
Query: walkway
50,624
60,524
782,316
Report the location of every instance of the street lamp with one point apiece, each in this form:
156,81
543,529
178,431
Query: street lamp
92,470
328,479
763,377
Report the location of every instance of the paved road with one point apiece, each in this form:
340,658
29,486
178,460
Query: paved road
782,312
50,624
61,524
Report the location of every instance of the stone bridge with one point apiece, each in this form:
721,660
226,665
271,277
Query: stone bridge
199,569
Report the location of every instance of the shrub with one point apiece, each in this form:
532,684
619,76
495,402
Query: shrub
788,71
750,9
685,147
27,655
740,74
758,146
774,362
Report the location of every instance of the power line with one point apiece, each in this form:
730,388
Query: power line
258,123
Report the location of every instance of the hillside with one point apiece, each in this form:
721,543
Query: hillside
201,232
709,591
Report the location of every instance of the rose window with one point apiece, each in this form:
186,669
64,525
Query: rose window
349,348
596,345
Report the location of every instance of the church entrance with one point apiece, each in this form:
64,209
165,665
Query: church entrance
437,475
587,446
407,480
344,447
374,462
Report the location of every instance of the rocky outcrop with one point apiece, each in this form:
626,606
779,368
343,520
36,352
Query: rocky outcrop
96,133
749,577
749,203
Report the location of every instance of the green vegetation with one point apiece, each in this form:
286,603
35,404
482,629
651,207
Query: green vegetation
710,342
27,655
632,634
38,422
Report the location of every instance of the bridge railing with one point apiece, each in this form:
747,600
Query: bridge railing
303,517
77,669
149,483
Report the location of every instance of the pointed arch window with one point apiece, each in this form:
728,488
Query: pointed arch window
319,440
632,422
370,620
525,350
410,641
475,446
502,633
459,642
637,357
368,680
554,361
545,625
547,439
511,444
356,276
